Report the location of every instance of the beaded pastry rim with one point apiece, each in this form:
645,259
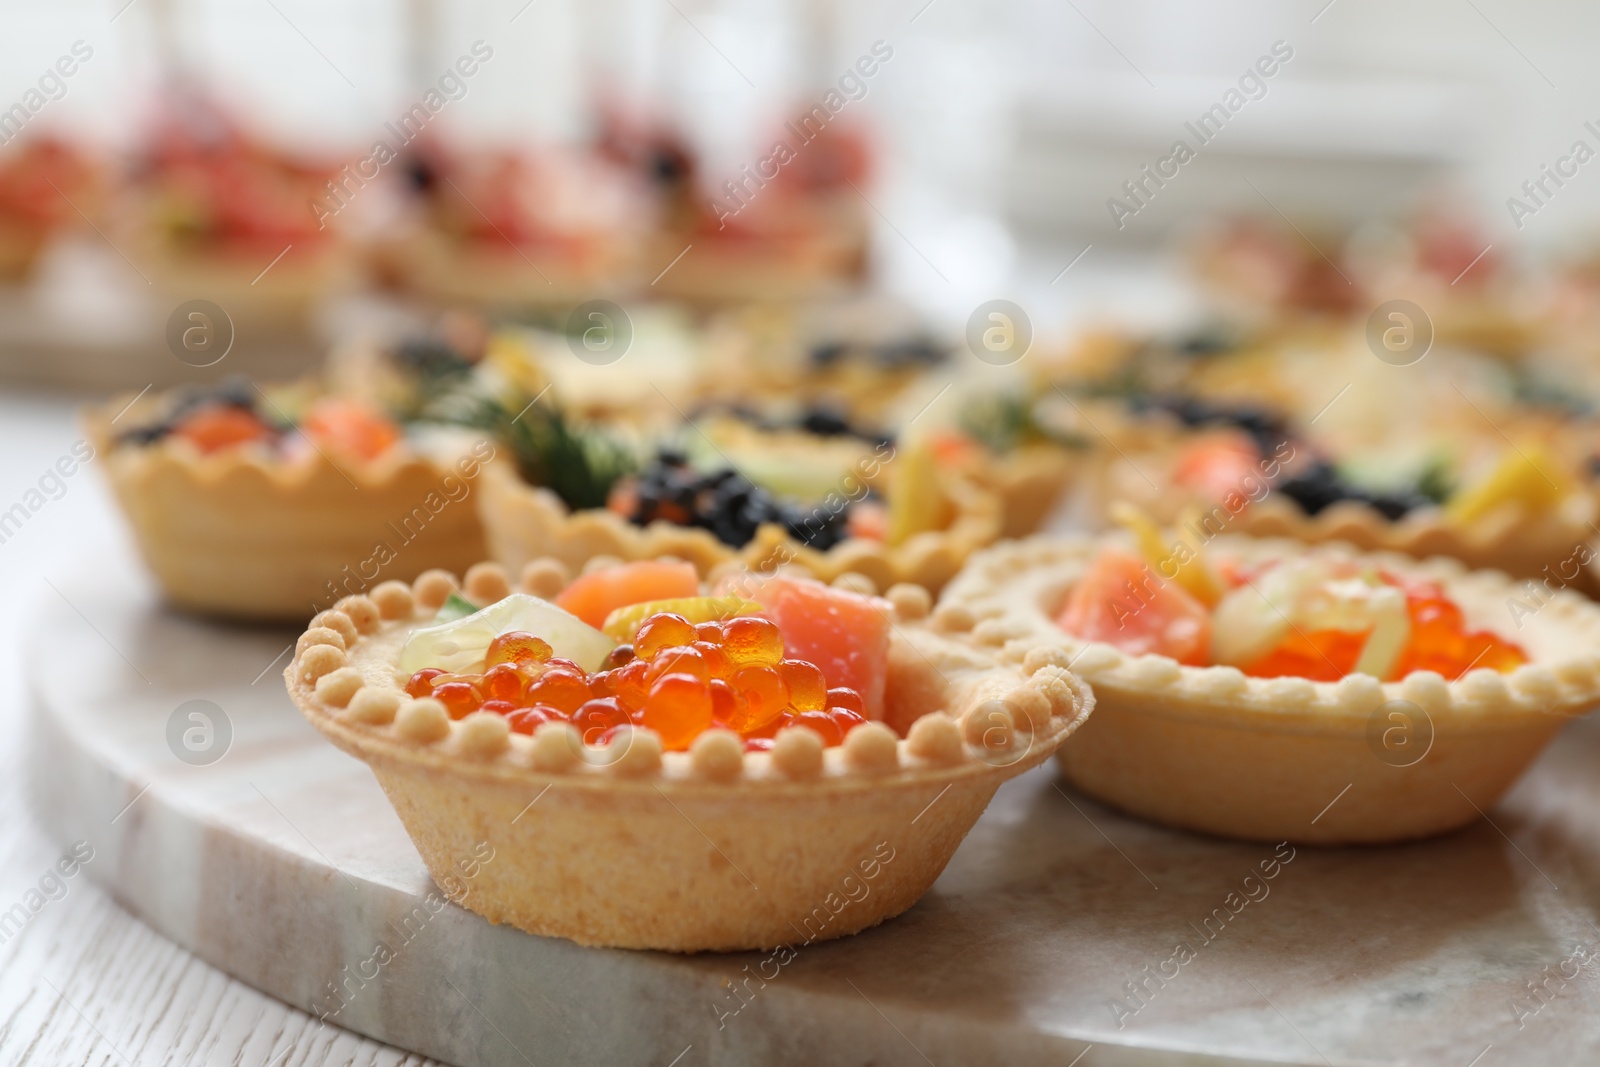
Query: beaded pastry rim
977,601
361,707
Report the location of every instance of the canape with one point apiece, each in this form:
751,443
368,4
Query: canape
272,504
1267,690
795,230
782,247
778,763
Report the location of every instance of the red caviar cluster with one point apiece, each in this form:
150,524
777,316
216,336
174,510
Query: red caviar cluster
677,678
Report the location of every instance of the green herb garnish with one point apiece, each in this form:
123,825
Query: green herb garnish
1004,421
455,607
1435,481
580,464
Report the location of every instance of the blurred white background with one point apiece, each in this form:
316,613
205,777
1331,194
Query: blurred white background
1005,126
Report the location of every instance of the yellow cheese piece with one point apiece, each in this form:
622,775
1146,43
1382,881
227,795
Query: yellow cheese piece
1525,476
1194,575
622,623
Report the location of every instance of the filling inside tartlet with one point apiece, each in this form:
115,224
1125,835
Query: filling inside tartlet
809,469
1312,617
820,484
237,414
640,644
1234,446
217,188
567,204
36,179
733,506
821,478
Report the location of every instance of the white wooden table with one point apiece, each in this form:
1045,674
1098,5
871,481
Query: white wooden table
84,982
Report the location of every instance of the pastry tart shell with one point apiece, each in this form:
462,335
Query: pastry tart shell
1031,482
710,849
242,536
524,523
1211,749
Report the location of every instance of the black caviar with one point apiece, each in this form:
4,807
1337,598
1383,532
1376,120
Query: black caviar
235,391
726,503
1321,486
1266,429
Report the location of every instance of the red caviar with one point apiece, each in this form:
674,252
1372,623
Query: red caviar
518,647
1440,640
677,678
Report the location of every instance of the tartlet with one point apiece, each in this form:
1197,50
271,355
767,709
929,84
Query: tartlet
1031,481
799,259
246,534
712,848
797,233
1212,749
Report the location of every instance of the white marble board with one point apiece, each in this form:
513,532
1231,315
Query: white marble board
282,864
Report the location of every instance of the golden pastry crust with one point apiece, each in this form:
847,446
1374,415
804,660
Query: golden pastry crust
710,849
1031,481
1214,750
524,523
239,535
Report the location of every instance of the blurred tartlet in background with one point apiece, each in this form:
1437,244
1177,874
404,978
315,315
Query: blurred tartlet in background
215,212
1258,437
273,504
793,227
44,183
724,489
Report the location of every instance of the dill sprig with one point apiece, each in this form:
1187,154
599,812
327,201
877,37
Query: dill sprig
1003,421
580,464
